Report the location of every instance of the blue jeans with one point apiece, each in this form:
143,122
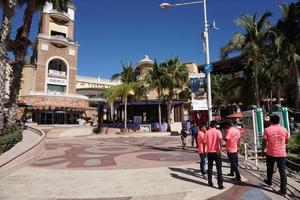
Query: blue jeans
202,163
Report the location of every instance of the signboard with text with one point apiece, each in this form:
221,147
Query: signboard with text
57,81
199,91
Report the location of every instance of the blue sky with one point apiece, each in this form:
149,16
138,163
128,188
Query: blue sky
111,31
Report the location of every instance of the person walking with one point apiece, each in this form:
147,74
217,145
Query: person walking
194,132
183,134
232,139
213,141
202,148
275,139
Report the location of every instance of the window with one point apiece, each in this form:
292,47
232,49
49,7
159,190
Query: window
56,88
56,33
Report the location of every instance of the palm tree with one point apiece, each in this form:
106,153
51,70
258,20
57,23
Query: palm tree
175,77
20,46
219,93
127,86
9,8
251,44
154,80
286,41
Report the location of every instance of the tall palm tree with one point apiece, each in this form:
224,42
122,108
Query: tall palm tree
20,46
154,80
251,44
9,9
127,86
286,40
175,76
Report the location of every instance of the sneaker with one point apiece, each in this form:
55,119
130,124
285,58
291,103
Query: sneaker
282,193
237,180
221,187
210,185
204,177
267,182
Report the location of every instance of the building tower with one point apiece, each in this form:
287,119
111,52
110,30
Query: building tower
49,82
55,51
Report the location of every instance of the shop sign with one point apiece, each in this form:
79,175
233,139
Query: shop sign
57,81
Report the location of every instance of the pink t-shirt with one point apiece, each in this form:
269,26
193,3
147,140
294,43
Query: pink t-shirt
213,138
201,142
232,137
276,135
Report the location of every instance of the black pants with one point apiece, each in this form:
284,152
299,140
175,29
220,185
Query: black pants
281,166
194,138
233,159
211,157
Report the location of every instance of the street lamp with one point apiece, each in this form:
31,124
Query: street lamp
208,67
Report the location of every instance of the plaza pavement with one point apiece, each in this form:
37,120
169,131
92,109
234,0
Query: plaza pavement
134,166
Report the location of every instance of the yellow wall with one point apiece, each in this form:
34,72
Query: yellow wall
58,28
28,80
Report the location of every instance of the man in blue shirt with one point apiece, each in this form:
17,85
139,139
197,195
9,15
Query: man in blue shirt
194,132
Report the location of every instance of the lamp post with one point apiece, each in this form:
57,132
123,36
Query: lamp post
208,67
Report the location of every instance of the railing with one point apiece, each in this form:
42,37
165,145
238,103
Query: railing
64,14
61,94
57,38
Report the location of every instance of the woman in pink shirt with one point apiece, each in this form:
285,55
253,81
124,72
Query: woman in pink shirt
202,148
275,138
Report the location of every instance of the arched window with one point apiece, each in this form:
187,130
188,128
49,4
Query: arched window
57,67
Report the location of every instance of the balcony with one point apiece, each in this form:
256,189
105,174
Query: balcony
58,40
55,73
62,17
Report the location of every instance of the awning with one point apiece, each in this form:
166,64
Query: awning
235,115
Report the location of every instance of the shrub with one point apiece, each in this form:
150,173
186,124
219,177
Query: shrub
12,135
294,143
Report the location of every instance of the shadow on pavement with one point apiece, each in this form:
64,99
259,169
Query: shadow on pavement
187,179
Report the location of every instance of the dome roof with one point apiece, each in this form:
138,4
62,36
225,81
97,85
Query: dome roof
145,60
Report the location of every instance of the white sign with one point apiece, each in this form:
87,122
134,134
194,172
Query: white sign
57,81
145,128
199,91
249,127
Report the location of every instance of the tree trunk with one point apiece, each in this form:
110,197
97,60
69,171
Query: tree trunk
169,108
112,111
159,116
159,108
125,114
297,96
278,95
271,104
8,14
256,91
21,45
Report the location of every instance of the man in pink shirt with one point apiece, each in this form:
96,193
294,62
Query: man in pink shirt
202,148
275,138
213,141
232,139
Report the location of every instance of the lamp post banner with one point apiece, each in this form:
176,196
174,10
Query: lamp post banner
198,85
